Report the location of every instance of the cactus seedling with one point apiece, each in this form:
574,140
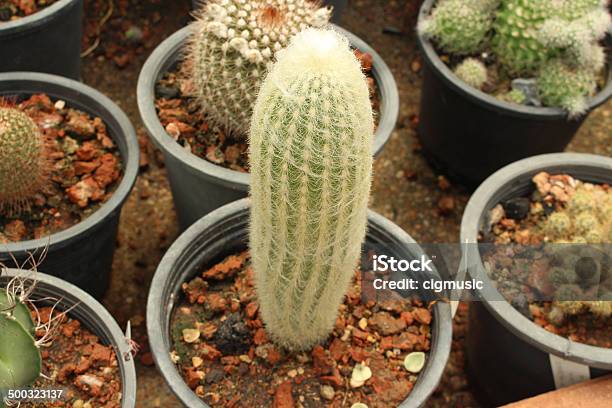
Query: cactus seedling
311,162
23,160
472,72
232,45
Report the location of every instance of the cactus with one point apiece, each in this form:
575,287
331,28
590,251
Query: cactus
472,72
515,96
231,47
20,359
561,85
23,160
311,162
459,26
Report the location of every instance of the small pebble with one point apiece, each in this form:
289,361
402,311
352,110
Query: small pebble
292,373
60,104
363,323
191,335
359,405
414,362
361,373
327,392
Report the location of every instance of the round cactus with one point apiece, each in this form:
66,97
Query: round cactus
23,160
311,163
472,72
232,45
560,276
514,96
459,26
558,225
561,85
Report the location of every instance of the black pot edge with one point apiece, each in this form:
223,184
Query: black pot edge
77,90
435,365
591,168
160,60
33,21
483,99
95,317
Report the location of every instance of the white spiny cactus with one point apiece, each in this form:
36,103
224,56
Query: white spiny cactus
311,163
232,45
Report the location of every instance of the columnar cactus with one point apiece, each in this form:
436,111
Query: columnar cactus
232,45
472,72
20,359
311,163
23,160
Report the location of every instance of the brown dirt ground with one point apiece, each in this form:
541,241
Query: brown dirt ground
406,189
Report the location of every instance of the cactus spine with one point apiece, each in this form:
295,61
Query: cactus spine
311,162
23,160
232,45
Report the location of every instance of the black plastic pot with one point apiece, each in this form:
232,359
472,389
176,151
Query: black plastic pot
83,253
47,41
199,186
224,232
508,355
92,316
469,134
338,8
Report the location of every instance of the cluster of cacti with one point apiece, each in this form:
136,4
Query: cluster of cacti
311,163
580,272
20,358
555,41
232,46
584,219
472,72
23,160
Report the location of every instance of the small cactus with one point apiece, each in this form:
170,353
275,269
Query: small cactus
561,85
23,160
232,45
20,359
472,72
459,26
515,96
310,153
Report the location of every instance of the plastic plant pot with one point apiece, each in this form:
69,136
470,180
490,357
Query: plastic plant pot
469,134
199,186
47,41
224,232
508,355
83,253
92,316
338,8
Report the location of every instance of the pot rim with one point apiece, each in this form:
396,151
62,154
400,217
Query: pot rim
36,20
485,100
165,55
76,93
89,310
596,169
158,317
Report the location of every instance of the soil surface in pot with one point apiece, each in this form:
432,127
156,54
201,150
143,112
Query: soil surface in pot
547,262
75,360
85,170
15,9
184,120
224,355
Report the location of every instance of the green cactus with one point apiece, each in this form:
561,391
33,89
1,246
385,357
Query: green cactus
514,96
459,26
23,160
561,85
311,162
233,44
472,72
20,359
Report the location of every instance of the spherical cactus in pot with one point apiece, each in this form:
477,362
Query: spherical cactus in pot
310,151
232,46
24,161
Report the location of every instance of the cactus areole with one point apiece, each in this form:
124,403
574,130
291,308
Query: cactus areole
23,165
311,162
233,44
